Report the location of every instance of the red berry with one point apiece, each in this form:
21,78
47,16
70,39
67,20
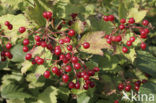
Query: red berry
146,30
77,85
83,73
65,60
123,21
25,42
145,22
124,50
57,51
49,46
67,39
55,70
68,68
7,54
33,62
74,59
78,74
132,39
109,41
105,18
10,27
144,81
65,78
3,58
8,45
137,83
61,57
116,101
57,47
122,26
85,86
143,46
137,88
74,15
69,47
86,77
71,85
22,29
40,61
37,38
49,14
131,20
96,69
7,23
120,86
77,65
10,56
36,58
3,53
118,38
38,43
128,88
28,56
46,74
92,85
71,32
68,56
86,45
43,44
87,81
25,49
61,41
111,18
129,43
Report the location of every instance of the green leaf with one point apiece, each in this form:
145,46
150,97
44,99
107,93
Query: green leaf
100,25
96,44
16,101
26,65
122,10
83,98
17,21
136,14
13,92
18,54
146,62
131,55
78,26
148,89
49,95
35,13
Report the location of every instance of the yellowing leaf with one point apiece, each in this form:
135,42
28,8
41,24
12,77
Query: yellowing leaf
136,14
26,66
78,26
97,42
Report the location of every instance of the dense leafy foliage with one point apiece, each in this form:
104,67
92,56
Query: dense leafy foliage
106,42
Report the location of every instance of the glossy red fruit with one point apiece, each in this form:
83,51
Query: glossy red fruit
71,85
67,40
118,38
96,69
57,47
3,58
129,43
7,53
109,41
128,88
83,73
40,61
49,14
124,50
123,21
25,49
131,20
92,84
144,81
49,46
86,45
36,58
74,15
77,65
46,74
122,26
132,39
7,23
145,22
3,53
61,41
25,42
10,56
146,30
10,27
65,78
86,77
68,56
57,51
105,18
138,83
74,59
87,81
38,43
143,46
61,57
65,60
78,74
116,101
120,86
77,85
8,45
137,88
68,68
85,86
71,32
55,70
43,44
37,38
111,18
69,47
33,61
22,29
28,56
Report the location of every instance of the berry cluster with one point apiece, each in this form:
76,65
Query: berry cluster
67,64
120,31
